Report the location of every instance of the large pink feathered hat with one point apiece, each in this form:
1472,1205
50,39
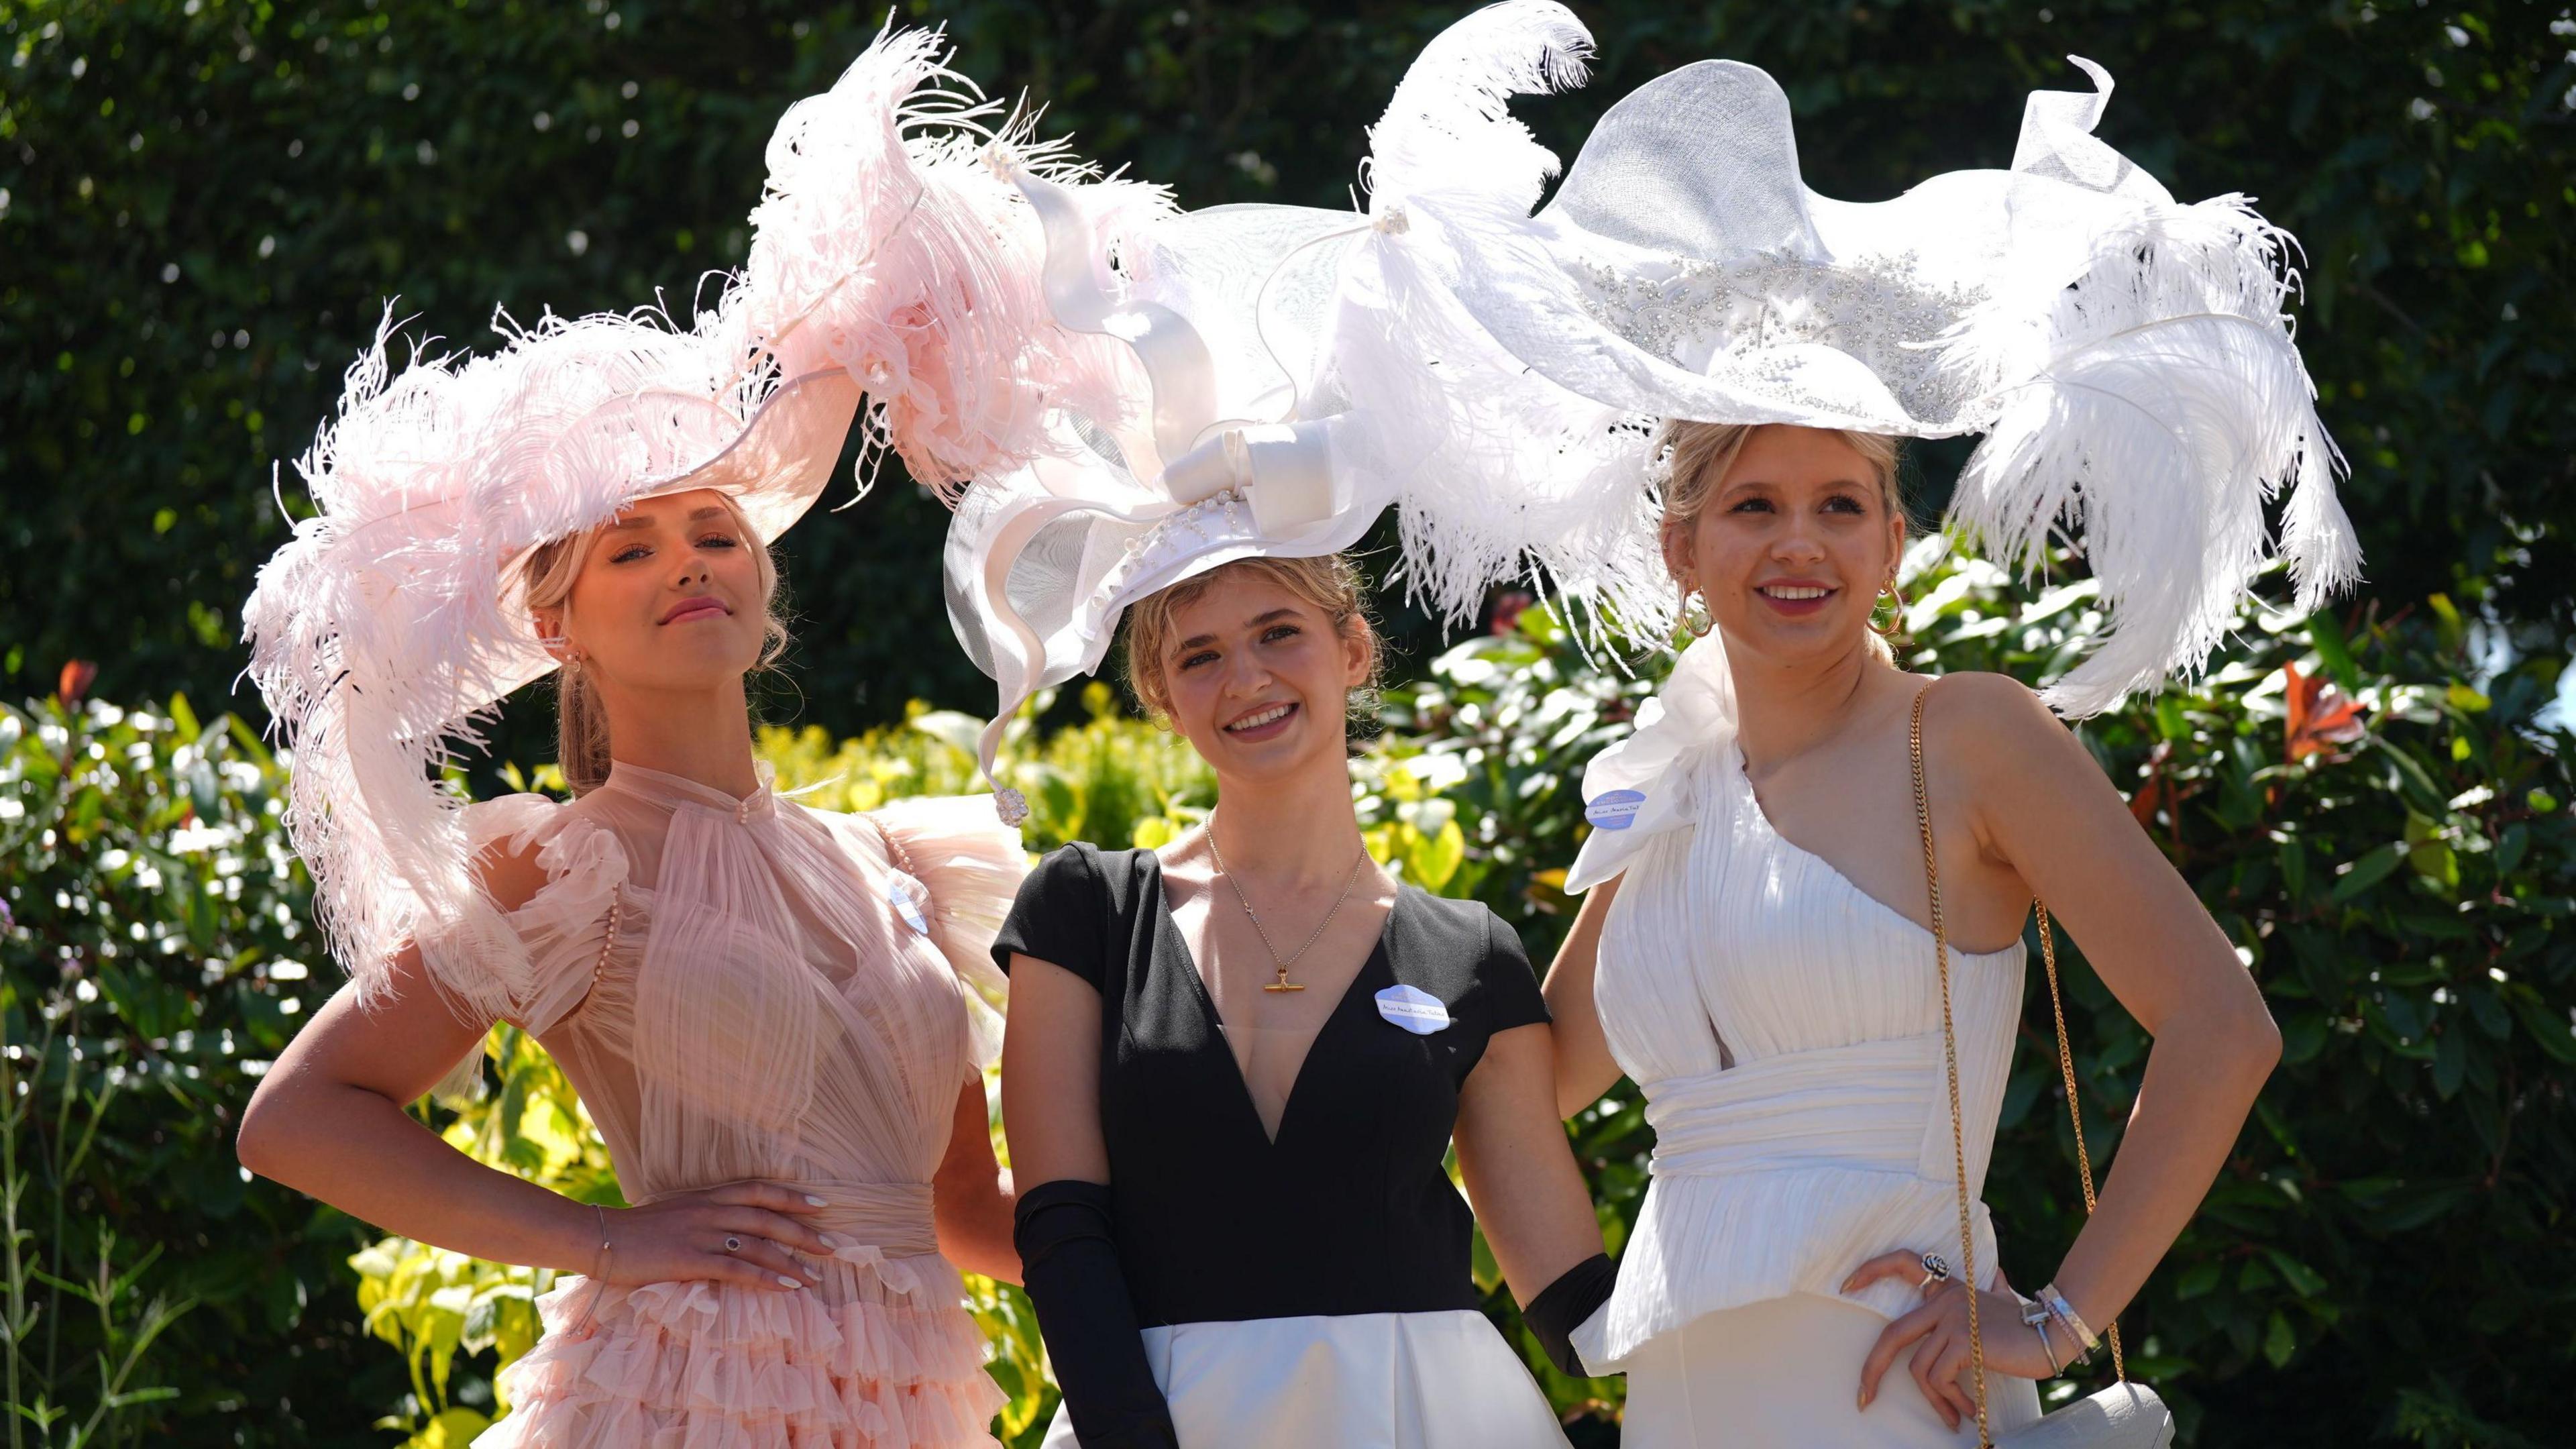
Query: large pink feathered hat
893,279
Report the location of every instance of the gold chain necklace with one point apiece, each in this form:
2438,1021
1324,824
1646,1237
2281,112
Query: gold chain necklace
1283,983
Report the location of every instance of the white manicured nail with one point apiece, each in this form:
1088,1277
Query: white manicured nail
812,1201
786,1282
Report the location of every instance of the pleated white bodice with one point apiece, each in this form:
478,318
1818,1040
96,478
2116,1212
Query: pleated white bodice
1785,1028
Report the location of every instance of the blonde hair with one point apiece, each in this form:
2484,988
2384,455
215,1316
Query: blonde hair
1700,454
1330,583
581,724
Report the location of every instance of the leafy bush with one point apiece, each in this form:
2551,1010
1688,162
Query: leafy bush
154,956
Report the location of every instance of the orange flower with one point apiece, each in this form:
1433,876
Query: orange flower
75,681
2319,718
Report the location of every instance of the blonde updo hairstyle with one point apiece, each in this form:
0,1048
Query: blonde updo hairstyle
1331,584
581,724
1700,454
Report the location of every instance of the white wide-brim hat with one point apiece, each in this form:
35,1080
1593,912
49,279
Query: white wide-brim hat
2127,357
1260,422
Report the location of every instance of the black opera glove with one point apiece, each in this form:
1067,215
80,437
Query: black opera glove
1069,1264
1562,1306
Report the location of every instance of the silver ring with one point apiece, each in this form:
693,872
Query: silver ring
733,1245
1937,1266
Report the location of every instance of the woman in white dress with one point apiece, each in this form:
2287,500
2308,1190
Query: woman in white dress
1755,952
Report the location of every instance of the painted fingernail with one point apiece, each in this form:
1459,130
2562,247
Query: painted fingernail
786,1282
828,1240
812,1201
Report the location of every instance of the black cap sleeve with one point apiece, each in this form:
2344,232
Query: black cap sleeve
1506,980
1059,916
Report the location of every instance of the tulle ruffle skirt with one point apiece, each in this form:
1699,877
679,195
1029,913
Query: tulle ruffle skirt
881,1356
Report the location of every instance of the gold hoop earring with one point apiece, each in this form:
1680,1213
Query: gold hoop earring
1895,617
1695,615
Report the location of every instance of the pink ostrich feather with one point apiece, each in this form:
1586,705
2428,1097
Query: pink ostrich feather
889,255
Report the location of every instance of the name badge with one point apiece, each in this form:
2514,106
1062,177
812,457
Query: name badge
907,896
1417,1011
1614,809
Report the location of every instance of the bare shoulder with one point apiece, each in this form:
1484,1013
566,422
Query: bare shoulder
1993,722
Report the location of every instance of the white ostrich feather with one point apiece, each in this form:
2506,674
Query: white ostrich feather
1449,124
2146,411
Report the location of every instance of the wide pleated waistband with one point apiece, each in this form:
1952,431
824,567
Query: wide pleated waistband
892,1218
1869,1106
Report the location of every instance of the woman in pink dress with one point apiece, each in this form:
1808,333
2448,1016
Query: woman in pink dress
776,1016
761,1007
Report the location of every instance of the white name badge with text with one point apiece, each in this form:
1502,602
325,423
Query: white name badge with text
1614,809
1416,1010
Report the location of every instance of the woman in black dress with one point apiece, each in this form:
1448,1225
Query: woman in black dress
1233,1067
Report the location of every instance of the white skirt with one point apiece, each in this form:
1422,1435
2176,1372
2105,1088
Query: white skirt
1361,1381
1785,1374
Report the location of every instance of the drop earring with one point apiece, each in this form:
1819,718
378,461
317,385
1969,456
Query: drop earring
1695,615
1895,615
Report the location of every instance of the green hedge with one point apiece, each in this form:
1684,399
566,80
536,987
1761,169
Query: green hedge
205,203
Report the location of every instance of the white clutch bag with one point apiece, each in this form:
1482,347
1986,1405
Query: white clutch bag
2123,1416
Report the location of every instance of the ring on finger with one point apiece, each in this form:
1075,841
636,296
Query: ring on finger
1936,1268
733,1244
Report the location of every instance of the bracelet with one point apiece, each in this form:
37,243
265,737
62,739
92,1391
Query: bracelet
2064,1312
2035,1316
598,1275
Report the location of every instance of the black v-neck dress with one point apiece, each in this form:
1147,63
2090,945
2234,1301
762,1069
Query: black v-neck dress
1350,1212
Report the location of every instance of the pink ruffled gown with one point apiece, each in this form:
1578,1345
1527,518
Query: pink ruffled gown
746,989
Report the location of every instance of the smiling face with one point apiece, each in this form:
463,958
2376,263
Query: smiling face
674,595
1790,545
1255,674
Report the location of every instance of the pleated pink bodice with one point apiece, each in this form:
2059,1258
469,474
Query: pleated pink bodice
748,989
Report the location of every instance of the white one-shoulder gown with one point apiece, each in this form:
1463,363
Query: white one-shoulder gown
1785,1028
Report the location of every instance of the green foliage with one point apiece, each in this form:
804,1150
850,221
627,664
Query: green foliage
204,205
153,958
1110,778
35,1273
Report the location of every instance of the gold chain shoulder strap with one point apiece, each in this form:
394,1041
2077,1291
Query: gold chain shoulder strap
1950,1059
2074,1113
